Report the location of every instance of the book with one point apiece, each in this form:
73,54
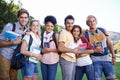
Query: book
46,45
11,35
36,51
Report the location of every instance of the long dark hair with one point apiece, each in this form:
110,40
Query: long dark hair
80,29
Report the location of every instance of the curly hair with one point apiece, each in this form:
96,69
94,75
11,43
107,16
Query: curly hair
51,19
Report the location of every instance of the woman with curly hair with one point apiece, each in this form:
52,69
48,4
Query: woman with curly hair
50,57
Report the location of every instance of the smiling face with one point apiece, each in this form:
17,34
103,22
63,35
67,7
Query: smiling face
34,27
49,27
92,23
76,32
23,19
69,24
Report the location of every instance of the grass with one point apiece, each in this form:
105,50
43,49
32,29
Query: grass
59,76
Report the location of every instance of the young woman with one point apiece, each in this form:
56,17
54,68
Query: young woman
50,57
30,70
84,62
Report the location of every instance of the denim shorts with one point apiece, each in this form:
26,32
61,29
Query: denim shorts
30,69
106,67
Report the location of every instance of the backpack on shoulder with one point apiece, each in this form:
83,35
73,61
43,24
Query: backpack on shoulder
101,29
54,39
18,60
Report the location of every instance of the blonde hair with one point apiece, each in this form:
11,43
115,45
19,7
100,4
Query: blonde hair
89,17
39,30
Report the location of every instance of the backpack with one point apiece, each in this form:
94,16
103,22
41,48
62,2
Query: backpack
18,60
54,39
105,49
101,29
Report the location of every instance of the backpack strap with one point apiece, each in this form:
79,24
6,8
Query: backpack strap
14,27
87,35
54,39
29,44
103,30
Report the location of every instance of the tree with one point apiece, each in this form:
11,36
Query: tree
8,12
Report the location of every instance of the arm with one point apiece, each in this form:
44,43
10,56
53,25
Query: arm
3,43
111,49
27,53
9,43
85,53
64,49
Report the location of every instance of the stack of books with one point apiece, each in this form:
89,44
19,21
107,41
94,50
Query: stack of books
10,35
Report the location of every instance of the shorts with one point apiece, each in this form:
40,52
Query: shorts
106,67
30,69
5,69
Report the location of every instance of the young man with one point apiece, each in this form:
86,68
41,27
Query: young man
6,51
101,58
67,62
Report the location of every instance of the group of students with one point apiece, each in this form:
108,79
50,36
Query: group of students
79,52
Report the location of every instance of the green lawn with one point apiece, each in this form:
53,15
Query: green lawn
59,77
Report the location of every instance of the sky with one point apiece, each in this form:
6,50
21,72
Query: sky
107,12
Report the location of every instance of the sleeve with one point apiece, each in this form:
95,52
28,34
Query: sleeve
7,27
26,38
62,36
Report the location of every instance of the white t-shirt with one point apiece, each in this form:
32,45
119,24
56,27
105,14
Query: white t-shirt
82,61
35,45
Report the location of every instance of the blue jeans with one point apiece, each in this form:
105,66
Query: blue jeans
49,71
105,67
30,69
88,70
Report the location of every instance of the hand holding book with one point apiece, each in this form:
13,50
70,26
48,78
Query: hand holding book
11,35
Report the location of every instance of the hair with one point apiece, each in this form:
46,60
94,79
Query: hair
80,29
89,17
39,30
68,17
21,11
51,19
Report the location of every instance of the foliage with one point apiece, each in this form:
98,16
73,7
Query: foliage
117,46
8,12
